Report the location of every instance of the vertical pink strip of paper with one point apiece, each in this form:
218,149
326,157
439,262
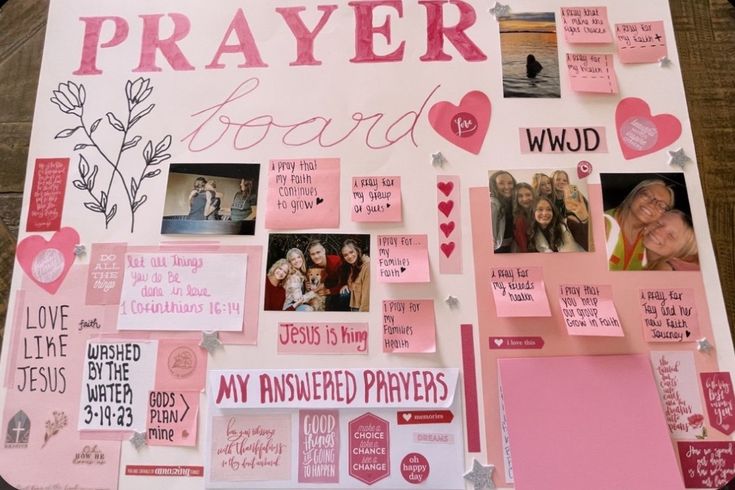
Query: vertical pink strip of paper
449,222
47,194
105,273
472,419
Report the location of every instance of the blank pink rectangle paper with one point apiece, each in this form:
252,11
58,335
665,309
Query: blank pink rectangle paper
587,422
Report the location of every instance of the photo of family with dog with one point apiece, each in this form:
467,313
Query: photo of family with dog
540,211
318,273
648,224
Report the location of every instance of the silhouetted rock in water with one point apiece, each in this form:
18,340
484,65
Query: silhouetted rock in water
532,66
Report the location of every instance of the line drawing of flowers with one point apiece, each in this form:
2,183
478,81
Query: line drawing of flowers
53,427
70,98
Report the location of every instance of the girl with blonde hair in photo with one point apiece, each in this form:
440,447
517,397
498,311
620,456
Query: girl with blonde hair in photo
643,206
670,243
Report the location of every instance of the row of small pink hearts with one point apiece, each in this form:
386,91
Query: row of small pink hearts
446,207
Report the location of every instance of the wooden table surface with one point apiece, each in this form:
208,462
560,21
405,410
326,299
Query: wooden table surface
705,34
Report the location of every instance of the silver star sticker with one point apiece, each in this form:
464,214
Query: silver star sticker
678,158
499,10
438,160
664,62
80,250
452,301
704,346
481,476
210,341
138,440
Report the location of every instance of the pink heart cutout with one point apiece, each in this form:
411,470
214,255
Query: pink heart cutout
48,262
640,133
465,125
447,228
446,207
584,169
447,248
445,187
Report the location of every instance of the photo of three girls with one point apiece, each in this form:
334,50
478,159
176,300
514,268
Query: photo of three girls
537,211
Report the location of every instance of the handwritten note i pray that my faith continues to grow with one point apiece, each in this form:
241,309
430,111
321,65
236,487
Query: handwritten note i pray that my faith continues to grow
403,258
376,199
669,315
183,291
589,310
303,193
519,291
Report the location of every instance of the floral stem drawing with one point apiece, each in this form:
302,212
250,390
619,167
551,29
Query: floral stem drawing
54,426
71,99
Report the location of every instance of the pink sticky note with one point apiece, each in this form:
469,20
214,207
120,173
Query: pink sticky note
47,194
586,25
610,405
319,446
403,258
641,42
720,401
592,73
519,291
669,315
172,418
450,224
376,199
409,326
707,464
676,379
589,310
303,193
263,440
180,365
322,338
104,276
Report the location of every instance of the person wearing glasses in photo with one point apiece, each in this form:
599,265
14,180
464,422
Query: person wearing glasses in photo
624,225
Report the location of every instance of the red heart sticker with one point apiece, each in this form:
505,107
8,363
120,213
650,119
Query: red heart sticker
640,133
48,262
445,187
447,248
464,125
446,207
447,228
